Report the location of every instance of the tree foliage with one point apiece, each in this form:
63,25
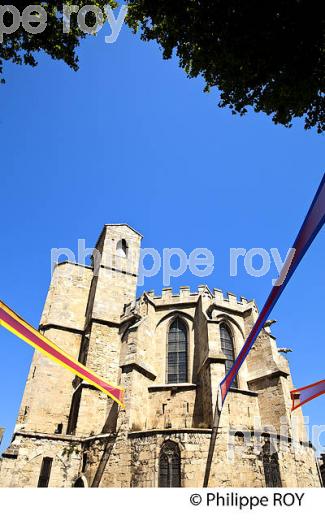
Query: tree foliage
269,55
21,47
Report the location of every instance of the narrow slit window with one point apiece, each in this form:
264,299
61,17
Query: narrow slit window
59,428
45,472
74,412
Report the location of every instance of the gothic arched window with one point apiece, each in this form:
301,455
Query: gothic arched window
227,347
122,248
169,465
177,352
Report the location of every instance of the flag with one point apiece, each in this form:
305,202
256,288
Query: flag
311,226
15,324
304,394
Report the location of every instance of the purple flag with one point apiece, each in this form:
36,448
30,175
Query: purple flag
312,225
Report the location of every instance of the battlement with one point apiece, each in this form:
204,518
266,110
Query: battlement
184,295
167,295
230,299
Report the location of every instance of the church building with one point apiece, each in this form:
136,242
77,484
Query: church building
169,351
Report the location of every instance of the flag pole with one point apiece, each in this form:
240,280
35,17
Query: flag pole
213,438
311,226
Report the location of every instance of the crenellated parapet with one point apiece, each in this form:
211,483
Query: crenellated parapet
230,301
184,295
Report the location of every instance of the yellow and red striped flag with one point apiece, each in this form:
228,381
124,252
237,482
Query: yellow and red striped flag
15,324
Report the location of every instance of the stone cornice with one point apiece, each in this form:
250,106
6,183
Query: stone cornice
109,268
212,358
61,437
169,431
46,326
271,435
243,392
272,375
178,387
100,321
140,366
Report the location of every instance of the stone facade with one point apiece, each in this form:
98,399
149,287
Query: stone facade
322,468
70,434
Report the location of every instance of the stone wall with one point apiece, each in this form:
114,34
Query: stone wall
22,463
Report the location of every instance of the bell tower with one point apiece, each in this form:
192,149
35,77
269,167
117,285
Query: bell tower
115,272
116,262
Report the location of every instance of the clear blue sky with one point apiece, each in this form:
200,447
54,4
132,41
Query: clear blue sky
130,139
